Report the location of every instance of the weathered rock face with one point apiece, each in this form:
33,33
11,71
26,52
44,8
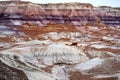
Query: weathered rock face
9,73
43,42
64,53
71,13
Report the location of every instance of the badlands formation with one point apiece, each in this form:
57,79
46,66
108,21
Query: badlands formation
63,41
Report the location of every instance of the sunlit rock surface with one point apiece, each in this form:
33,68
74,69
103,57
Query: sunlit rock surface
65,41
69,13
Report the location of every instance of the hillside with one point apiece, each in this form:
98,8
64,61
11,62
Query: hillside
63,41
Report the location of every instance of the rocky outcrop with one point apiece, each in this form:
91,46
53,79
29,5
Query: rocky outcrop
10,73
42,42
71,13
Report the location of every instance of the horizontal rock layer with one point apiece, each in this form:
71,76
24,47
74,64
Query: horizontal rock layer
43,42
70,13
